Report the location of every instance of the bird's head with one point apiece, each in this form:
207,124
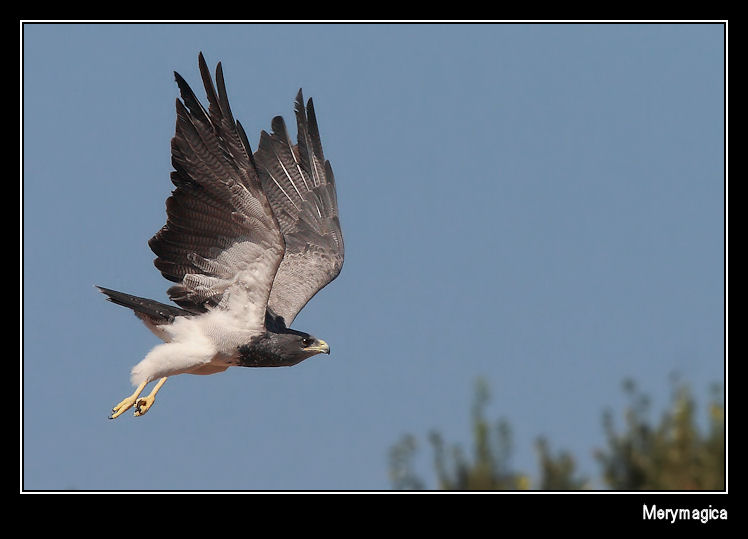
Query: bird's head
282,349
304,345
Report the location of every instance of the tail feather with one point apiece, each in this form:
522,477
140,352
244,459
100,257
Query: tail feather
158,313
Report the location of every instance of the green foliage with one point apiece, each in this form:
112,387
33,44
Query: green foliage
401,459
489,468
673,455
556,472
490,465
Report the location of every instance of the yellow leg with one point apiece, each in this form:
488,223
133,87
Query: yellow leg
127,403
144,404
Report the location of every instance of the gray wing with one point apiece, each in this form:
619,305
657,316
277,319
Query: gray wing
300,186
221,242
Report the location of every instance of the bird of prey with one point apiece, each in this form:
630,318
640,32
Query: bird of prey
248,240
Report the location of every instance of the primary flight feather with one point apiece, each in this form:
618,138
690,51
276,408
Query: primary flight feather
249,239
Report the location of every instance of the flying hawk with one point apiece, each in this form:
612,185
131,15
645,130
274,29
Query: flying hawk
248,240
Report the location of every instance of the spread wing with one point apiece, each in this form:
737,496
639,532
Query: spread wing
221,242
300,187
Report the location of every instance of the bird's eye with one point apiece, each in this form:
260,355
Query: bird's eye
307,342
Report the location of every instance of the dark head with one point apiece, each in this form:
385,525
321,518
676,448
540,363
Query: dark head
281,349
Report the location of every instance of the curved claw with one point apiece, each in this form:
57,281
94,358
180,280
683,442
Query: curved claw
124,405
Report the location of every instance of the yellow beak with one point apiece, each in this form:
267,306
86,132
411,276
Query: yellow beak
320,347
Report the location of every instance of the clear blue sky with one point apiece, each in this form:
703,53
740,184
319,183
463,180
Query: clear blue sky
538,205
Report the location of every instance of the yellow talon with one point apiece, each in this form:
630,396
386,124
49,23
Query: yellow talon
142,405
126,403
123,406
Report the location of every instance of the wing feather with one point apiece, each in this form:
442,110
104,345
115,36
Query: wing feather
221,242
300,188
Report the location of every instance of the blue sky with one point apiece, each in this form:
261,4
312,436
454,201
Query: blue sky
538,205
